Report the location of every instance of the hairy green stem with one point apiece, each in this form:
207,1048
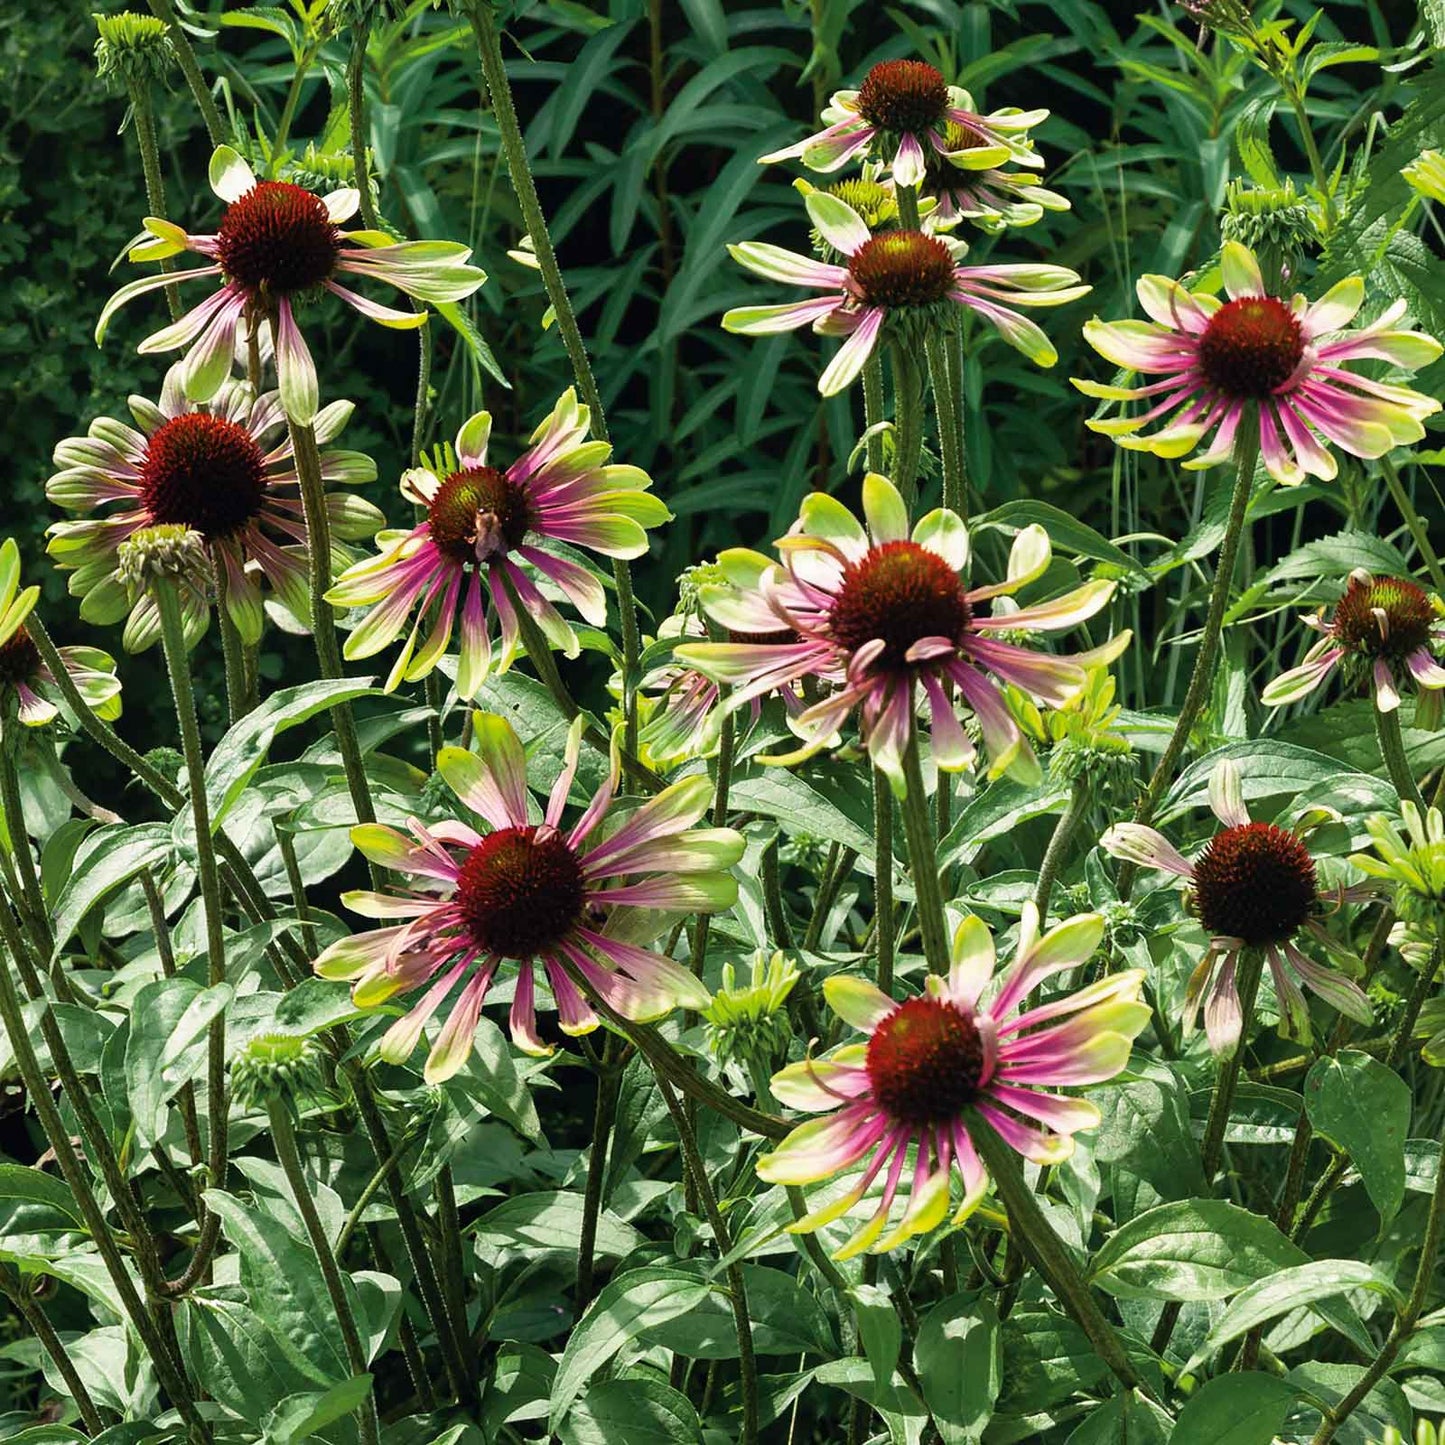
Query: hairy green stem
873,410
947,409
922,861
774,910
32,896
907,422
143,115
604,1116
1392,752
232,652
453,1264
283,1139
883,934
26,1305
1201,680
356,116
1413,520
186,58
1060,843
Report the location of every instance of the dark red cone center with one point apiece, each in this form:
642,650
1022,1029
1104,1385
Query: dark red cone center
19,659
1385,617
205,473
903,95
276,240
899,592
902,268
925,1061
1255,882
521,891
479,513
1251,347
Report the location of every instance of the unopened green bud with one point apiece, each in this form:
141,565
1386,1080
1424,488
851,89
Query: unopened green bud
275,1068
748,1024
132,49
169,549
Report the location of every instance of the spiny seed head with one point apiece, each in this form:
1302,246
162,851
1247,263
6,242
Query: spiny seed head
168,549
1384,617
902,269
1251,347
132,49
903,96
205,473
899,592
1273,219
479,513
1255,882
926,1061
19,659
748,1022
277,240
521,891
275,1067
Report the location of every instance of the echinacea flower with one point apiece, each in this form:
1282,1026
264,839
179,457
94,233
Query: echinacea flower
530,893
1218,359
1253,886
279,245
217,469
938,1065
890,284
1388,628
991,199
27,686
882,615
902,106
481,525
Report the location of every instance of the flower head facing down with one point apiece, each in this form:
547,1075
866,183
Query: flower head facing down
218,470
28,688
895,282
906,111
279,245
528,893
1388,629
991,199
969,1052
470,561
882,614
1254,886
1217,360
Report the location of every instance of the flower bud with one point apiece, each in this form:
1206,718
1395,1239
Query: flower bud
275,1068
748,1024
132,49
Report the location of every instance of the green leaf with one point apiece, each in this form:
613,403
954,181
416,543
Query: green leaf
168,1022
19,1181
880,1331
108,858
1064,529
1046,1358
489,1080
1195,1249
1290,1289
1363,1108
994,813
1268,769
630,1304
960,1365
549,1221
786,1320
298,1417
1247,1409
800,807
632,1412
459,319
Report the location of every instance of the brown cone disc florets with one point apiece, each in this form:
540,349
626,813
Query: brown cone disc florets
479,513
520,891
19,659
1385,617
899,592
925,1061
276,240
1255,882
205,473
1251,347
903,95
902,268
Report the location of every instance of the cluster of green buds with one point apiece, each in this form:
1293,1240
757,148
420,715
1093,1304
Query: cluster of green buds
1426,174
132,49
1277,223
872,197
1082,736
1229,17
167,550
748,1024
275,1068
1414,864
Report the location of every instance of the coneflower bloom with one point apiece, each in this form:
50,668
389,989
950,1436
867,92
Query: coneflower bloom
991,199
1253,886
529,893
896,279
481,525
1215,359
1388,628
903,106
881,614
27,686
223,469
278,245
958,1056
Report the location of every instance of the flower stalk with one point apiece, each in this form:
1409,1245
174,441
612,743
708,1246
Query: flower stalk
1392,753
923,862
190,68
907,423
947,409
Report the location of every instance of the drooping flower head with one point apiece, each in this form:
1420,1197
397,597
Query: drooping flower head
894,283
524,894
959,1056
991,199
224,470
482,524
1388,629
1217,359
1255,885
905,110
277,247
883,615
27,686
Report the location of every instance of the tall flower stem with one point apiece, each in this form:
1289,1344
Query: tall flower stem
907,423
773,908
356,116
144,118
29,1310
32,897
737,1290
323,619
1037,1239
232,651
1060,842
883,879
1405,1321
173,644
1201,680
186,57
1392,752
37,1087
604,1115
946,407
484,27
923,862
283,1140
1414,522
873,411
